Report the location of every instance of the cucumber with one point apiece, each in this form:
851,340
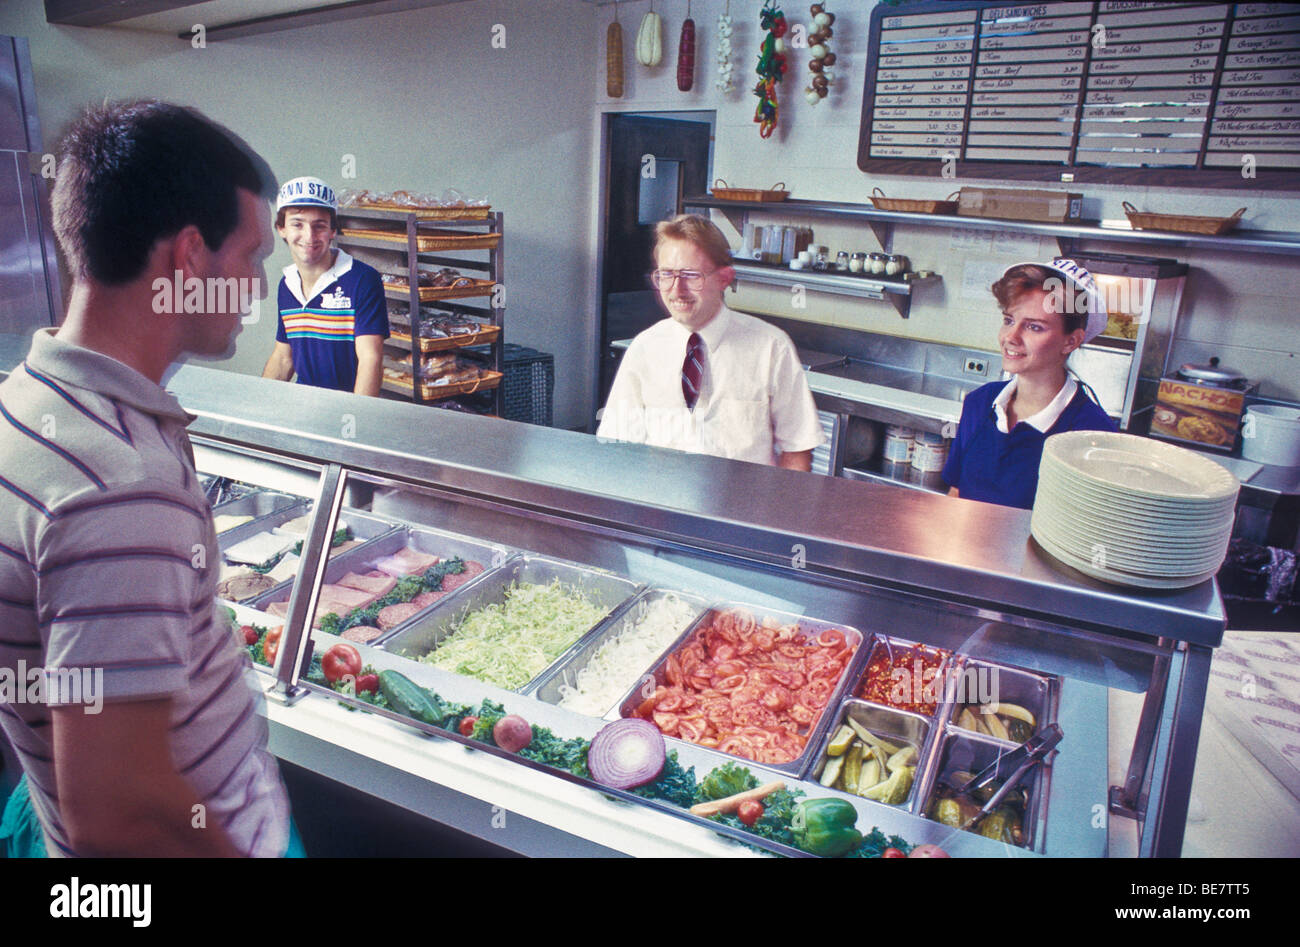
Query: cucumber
408,698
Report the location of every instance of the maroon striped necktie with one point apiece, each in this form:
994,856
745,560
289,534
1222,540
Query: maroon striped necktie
693,370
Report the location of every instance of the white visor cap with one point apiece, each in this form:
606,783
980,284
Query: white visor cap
1078,282
306,192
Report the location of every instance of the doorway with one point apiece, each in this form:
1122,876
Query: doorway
652,161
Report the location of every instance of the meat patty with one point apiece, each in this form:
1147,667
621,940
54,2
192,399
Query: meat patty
394,615
362,633
425,599
455,580
244,586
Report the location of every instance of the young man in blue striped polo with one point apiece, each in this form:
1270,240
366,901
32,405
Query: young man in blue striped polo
333,317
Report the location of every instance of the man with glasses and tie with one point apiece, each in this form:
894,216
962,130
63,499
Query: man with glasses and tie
707,379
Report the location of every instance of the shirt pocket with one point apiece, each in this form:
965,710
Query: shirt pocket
740,429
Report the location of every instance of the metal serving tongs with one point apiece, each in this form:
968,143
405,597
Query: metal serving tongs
1024,757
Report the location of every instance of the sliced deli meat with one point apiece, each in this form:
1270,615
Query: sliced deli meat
381,584
406,561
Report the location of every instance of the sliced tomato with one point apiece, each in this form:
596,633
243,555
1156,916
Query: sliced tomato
801,715
831,638
745,646
828,670
728,668
729,684
691,730
645,709
786,633
667,723
737,746
795,651
776,698
724,652
772,754
710,742
668,703
764,640
673,670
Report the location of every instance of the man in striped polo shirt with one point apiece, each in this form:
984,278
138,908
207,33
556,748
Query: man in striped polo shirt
333,315
108,555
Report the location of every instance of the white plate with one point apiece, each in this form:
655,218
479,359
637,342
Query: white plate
1173,512
1122,578
1141,466
1099,518
1117,557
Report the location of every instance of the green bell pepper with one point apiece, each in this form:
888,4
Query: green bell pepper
826,827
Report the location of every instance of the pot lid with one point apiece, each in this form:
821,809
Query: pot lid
1211,373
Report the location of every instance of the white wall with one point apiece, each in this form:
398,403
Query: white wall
1241,307
421,99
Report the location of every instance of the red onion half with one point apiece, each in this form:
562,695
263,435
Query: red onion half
627,753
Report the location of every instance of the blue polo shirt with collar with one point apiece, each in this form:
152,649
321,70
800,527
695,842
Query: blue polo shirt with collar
322,330
988,465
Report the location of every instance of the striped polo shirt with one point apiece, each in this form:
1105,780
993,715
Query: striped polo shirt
321,324
108,566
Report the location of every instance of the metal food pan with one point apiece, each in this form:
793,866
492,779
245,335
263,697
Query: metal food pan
960,750
365,527
565,669
807,627
425,632
895,726
362,558
979,682
264,522
883,646
257,505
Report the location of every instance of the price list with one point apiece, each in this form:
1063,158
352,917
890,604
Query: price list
1094,83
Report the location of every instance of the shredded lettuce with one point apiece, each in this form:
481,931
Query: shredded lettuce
510,643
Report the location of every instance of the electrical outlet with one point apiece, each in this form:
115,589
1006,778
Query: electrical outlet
976,366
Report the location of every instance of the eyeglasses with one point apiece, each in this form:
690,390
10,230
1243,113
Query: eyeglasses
664,279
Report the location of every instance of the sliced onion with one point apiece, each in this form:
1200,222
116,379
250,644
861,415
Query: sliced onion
627,753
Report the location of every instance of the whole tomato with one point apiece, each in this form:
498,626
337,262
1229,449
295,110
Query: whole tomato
892,853
271,645
750,811
250,634
340,661
368,682
466,726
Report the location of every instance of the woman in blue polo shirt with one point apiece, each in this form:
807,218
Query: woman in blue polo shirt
1048,311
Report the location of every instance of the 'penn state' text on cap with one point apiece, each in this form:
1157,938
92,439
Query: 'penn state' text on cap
306,192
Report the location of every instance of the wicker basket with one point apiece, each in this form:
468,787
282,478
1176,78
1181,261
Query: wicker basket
428,240
482,337
724,193
1181,223
487,379
481,287
913,205
423,213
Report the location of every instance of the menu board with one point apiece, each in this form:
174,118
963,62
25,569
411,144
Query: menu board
1199,94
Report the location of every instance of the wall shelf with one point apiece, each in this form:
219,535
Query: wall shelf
897,292
1067,235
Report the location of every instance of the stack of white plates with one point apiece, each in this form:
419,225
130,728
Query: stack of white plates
1133,511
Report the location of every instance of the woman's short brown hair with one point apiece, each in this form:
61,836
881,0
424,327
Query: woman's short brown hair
698,230
1028,277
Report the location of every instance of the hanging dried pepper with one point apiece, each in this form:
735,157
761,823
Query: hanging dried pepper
771,67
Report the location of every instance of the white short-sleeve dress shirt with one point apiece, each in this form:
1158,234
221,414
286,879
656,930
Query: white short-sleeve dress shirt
754,401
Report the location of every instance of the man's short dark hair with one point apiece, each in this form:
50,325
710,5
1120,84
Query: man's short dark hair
283,212
132,173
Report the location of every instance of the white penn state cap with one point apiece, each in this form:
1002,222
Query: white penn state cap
306,192
1074,272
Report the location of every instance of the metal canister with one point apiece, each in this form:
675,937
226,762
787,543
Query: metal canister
899,444
930,452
